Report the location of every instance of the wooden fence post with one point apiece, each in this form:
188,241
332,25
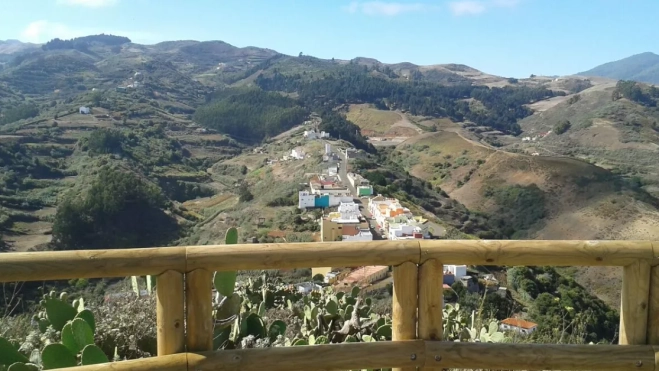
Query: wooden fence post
199,308
634,303
404,306
169,310
431,295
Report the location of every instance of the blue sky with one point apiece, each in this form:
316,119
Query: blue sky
503,37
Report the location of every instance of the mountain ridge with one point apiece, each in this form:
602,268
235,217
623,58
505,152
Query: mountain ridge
642,67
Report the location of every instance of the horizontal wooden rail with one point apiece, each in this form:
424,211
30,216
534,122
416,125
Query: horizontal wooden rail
301,255
539,356
38,266
414,353
60,265
537,252
174,362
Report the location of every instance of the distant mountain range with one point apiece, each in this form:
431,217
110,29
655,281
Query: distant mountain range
642,67
15,46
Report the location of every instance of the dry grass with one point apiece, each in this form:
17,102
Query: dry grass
373,122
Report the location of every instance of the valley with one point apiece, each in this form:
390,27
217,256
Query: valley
104,141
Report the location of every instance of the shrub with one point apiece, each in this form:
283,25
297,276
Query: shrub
562,127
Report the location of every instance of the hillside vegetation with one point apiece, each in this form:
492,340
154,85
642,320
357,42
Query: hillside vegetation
186,140
252,116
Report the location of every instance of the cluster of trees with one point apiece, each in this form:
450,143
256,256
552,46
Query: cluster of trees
633,91
559,302
339,127
24,111
148,145
18,162
355,85
104,141
82,43
118,210
519,208
562,126
251,116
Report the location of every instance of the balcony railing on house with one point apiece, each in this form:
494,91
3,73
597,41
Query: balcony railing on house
185,337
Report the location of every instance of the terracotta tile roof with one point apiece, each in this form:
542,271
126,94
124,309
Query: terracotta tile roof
519,323
277,234
358,274
349,230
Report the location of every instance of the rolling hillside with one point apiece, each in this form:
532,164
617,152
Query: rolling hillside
642,67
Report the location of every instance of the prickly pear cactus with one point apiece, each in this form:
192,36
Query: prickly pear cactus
93,355
225,281
77,339
57,356
58,311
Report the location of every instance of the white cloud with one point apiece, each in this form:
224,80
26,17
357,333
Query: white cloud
381,8
42,31
467,7
473,7
89,3
506,3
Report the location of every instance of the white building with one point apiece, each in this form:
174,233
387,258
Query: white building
85,111
349,208
405,232
387,210
307,287
328,149
357,180
458,271
518,325
298,153
312,134
306,200
354,234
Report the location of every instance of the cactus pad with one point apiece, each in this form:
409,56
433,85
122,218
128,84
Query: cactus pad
59,312
93,355
57,356
8,354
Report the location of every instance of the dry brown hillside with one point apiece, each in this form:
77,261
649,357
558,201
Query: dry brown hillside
582,201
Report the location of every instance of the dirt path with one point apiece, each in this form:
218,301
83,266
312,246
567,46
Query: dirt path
288,133
404,122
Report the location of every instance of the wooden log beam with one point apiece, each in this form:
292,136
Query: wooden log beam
174,362
456,355
301,255
536,252
653,309
634,303
38,266
58,265
199,310
404,306
169,310
345,356
431,293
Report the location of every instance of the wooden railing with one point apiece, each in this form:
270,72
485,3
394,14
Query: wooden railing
185,337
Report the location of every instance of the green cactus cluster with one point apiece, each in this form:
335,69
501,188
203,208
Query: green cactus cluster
321,317
458,327
75,326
